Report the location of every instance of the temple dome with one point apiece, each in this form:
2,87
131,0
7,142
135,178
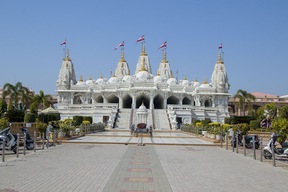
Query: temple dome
196,83
143,76
81,83
113,80
185,82
100,81
171,80
157,79
127,78
205,87
90,81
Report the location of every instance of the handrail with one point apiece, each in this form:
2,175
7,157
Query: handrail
153,118
131,117
168,119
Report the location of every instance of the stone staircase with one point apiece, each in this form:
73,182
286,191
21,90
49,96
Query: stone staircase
123,119
161,121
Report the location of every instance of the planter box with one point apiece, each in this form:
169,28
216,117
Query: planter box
218,137
204,133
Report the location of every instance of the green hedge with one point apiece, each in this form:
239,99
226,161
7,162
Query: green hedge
29,118
239,119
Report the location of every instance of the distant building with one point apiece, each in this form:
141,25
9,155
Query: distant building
169,101
261,100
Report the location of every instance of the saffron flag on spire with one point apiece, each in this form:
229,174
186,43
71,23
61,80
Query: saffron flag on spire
163,45
120,45
63,43
220,46
142,38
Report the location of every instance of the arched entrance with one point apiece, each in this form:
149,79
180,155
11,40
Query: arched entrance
127,101
186,101
158,102
99,99
112,99
142,98
172,100
208,102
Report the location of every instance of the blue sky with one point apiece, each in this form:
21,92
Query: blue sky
253,32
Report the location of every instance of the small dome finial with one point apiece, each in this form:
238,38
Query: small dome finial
67,56
164,57
122,56
81,79
90,78
101,77
185,78
219,60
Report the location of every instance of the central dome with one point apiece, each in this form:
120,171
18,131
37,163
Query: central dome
143,76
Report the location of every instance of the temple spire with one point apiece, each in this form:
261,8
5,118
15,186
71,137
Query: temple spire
164,57
122,56
143,52
143,65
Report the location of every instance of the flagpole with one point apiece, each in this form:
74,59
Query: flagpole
65,47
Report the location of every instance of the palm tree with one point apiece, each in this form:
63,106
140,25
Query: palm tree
243,98
42,99
18,95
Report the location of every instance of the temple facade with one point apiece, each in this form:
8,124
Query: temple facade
169,102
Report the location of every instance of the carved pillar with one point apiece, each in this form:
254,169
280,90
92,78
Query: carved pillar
151,102
133,102
71,98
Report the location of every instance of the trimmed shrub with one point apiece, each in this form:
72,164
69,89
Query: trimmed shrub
15,116
45,118
254,124
88,118
29,118
77,120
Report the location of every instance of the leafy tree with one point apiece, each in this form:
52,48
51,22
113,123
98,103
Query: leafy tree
41,126
3,107
280,125
260,113
41,99
18,95
244,99
4,122
254,124
283,112
270,110
34,108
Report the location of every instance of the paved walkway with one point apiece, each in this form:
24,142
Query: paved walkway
131,168
159,138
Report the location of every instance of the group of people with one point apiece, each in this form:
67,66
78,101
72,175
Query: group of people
141,128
